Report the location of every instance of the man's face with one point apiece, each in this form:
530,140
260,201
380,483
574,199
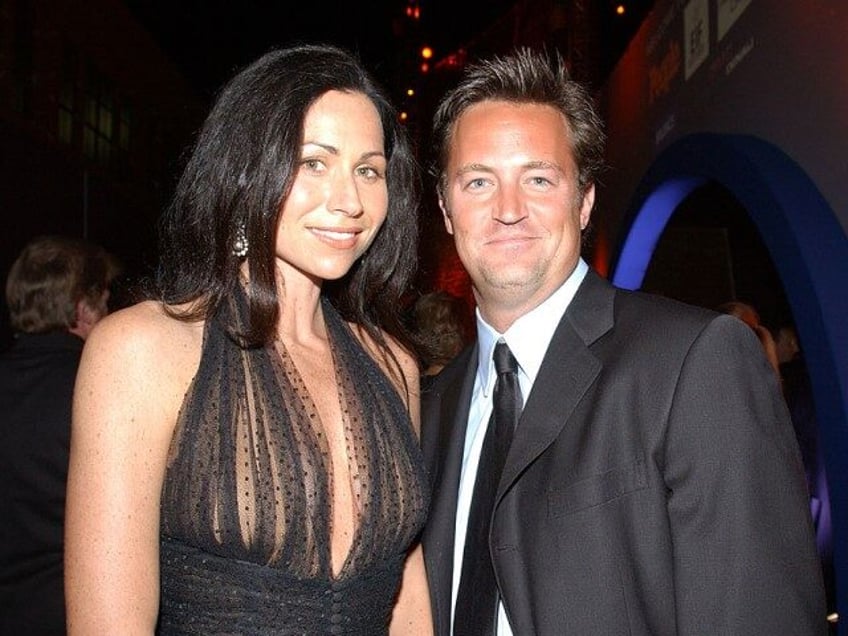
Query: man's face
511,202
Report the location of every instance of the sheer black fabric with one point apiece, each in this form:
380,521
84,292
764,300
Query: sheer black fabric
247,508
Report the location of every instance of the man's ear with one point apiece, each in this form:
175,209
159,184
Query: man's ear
85,312
86,317
446,215
587,205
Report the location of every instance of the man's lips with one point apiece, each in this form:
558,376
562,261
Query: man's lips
510,241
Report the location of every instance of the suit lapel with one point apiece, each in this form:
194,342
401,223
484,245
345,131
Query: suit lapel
444,458
567,371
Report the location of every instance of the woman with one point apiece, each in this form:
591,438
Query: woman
246,439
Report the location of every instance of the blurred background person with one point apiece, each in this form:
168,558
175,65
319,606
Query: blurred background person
786,342
440,321
748,314
56,291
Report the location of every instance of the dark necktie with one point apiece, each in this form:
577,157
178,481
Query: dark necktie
477,597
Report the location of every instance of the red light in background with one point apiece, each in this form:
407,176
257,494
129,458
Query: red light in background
413,10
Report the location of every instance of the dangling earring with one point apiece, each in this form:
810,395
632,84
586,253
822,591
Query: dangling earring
240,245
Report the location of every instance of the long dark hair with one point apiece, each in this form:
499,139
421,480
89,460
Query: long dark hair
241,170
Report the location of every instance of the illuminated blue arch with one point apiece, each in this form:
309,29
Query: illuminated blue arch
809,250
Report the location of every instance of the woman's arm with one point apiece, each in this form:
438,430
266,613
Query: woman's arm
129,388
405,362
412,613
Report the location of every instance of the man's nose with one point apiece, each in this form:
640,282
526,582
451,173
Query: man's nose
509,205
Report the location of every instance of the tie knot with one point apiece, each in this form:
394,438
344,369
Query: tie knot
505,362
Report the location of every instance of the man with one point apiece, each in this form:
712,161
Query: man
56,291
653,485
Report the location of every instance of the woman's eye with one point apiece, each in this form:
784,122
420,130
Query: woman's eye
370,173
314,165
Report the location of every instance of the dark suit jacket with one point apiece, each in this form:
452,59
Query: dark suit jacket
36,388
654,485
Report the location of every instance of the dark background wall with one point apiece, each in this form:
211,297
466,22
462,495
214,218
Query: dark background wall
778,73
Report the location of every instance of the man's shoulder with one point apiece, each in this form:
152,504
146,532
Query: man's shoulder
602,310
661,327
660,311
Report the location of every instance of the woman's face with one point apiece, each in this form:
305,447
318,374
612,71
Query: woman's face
339,198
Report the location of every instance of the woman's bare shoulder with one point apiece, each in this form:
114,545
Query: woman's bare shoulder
145,325
145,339
403,359
403,355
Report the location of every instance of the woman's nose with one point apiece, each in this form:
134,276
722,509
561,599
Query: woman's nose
344,196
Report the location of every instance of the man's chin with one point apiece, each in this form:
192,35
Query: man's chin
513,281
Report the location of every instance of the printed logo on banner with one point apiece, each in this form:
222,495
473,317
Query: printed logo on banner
728,12
696,34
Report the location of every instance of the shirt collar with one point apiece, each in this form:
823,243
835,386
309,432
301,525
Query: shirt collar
529,336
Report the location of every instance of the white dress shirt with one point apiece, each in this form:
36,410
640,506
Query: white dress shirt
528,339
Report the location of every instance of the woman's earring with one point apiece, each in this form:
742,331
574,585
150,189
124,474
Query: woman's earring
240,245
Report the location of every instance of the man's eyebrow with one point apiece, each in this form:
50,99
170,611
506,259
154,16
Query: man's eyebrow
542,165
530,165
473,167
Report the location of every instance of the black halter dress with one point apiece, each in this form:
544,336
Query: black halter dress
246,504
